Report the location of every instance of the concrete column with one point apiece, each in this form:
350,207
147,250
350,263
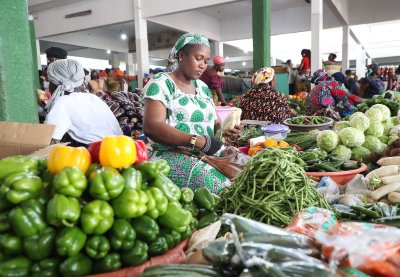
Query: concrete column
17,98
130,65
261,33
345,48
114,60
316,30
360,62
39,61
273,61
142,44
218,48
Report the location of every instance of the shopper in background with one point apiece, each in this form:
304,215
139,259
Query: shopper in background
263,102
331,59
96,84
340,79
179,113
292,77
363,90
305,65
80,118
392,80
351,83
214,81
55,53
376,84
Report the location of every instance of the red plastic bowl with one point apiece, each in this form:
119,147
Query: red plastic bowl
341,177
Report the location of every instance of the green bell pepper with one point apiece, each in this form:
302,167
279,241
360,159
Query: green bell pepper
146,228
46,193
110,263
187,195
130,204
63,210
71,181
97,217
187,233
47,177
26,220
133,178
194,224
40,246
4,223
4,203
207,219
137,255
92,168
11,245
122,235
106,183
70,241
16,267
158,247
157,204
46,268
192,208
21,186
176,236
205,199
97,247
151,169
175,218
169,239
170,190
15,164
76,266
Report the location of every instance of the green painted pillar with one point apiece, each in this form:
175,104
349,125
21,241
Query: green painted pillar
34,54
17,91
261,33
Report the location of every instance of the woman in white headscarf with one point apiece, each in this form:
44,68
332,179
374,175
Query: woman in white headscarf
80,118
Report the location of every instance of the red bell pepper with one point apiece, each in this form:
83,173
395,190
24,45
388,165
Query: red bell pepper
94,150
141,151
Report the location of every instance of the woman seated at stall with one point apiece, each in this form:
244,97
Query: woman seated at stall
376,84
179,113
328,93
263,102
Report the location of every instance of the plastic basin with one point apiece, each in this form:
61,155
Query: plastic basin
223,112
340,177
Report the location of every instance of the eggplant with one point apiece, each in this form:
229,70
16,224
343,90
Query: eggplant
136,97
123,120
114,106
126,130
137,104
140,112
131,113
120,112
120,97
128,107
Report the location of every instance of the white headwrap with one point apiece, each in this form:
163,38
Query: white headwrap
67,74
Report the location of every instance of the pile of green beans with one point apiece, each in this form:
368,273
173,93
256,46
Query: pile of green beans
271,189
308,120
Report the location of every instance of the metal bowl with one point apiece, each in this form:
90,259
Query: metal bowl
306,128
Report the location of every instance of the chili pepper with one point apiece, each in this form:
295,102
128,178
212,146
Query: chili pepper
27,219
187,195
117,151
15,267
157,204
369,213
40,246
207,219
186,233
4,223
70,241
146,228
63,210
122,235
21,186
175,218
205,199
16,164
76,266
192,208
106,183
11,245
97,217
97,247
137,255
62,156
194,224
158,247
170,190
46,268
94,150
152,168
110,263
141,151
71,181
132,177
130,204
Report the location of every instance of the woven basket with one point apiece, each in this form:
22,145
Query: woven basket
332,68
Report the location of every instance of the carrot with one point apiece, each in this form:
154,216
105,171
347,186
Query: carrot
380,269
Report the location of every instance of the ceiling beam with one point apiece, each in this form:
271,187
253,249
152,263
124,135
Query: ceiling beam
39,5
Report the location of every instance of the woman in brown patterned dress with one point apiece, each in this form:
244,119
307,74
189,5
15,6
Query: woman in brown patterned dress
263,102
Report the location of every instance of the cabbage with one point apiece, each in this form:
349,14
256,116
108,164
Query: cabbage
355,114
360,153
341,125
342,152
360,122
384,139
352,137
392,139
387,126
384,109
373,144
375,129
383,147
394,120
327,140
374,115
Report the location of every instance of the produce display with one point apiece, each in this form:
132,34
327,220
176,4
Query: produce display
248,133
268,143
378,212
308,120
393,105
305,140
128,109
68,217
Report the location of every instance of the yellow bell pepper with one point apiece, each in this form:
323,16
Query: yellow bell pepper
117,151
283,144
270,143
62,156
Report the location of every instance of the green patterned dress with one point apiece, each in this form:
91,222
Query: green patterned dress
192,114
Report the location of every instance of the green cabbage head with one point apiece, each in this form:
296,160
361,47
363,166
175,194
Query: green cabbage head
384,109
375,129
360,153
360,122
340,125
352,137
374,115
342,152
373,144
327,140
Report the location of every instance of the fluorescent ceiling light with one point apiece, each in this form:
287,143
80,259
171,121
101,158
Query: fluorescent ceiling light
108,51
124,36
243,63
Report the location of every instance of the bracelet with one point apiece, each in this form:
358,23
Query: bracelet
193,141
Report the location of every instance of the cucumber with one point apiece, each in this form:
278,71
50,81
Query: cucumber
392,221
291,241
350,166
325,168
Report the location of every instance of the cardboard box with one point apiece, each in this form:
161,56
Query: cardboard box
23,138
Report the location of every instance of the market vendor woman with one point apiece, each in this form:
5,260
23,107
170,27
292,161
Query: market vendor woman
179,113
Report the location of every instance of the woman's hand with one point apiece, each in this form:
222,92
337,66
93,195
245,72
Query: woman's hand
232,134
